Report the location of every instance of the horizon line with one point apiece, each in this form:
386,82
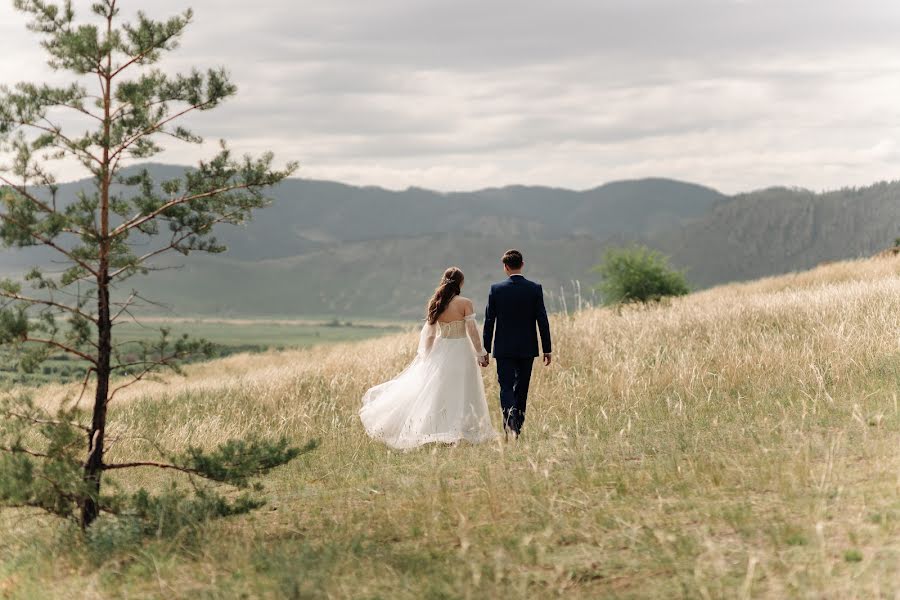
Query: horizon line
533,186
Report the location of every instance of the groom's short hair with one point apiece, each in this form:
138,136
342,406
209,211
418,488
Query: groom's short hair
513,259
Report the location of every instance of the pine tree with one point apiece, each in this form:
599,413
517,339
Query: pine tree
119,107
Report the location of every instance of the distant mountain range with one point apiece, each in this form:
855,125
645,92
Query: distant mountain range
779,230
328,249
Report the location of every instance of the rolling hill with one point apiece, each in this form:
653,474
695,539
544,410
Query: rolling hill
330,249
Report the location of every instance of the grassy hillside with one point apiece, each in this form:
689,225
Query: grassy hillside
741,442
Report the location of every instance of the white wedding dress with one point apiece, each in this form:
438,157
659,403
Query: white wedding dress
438,398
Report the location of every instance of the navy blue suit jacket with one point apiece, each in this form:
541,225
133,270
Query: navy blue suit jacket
515,306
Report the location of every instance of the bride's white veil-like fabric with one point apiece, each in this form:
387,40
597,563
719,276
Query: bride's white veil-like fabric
426,339
439,397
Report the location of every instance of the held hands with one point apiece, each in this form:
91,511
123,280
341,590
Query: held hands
485,360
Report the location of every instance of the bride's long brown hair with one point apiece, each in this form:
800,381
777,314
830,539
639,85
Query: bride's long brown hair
450,287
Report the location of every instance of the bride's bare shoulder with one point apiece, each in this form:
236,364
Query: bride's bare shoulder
463,302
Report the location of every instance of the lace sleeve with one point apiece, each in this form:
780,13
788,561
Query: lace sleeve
426,339
472,330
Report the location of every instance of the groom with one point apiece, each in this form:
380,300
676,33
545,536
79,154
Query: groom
515,306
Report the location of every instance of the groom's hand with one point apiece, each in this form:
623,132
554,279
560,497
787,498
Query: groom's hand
547,360
485,360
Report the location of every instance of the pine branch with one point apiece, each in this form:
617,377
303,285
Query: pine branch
119,113
53,130
63,307
125,305
23,505
150,463
87,378
134,319
82,110
24,192
14,450
59,491
50,243
172,245
37,421
140,220
63,347
162,362
157,126
144,258
143,54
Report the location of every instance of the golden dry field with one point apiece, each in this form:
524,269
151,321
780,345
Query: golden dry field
741,442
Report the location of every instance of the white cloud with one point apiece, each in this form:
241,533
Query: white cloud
574,93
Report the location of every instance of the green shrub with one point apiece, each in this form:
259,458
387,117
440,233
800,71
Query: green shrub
853,556
638,274
111,537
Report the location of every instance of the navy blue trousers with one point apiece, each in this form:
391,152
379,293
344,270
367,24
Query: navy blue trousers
514,376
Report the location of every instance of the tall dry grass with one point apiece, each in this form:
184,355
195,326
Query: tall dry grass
740,442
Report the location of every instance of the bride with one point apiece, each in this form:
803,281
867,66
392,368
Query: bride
440,396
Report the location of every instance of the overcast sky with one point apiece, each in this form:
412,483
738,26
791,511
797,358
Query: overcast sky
464,94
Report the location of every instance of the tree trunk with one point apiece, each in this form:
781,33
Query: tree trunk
93,468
